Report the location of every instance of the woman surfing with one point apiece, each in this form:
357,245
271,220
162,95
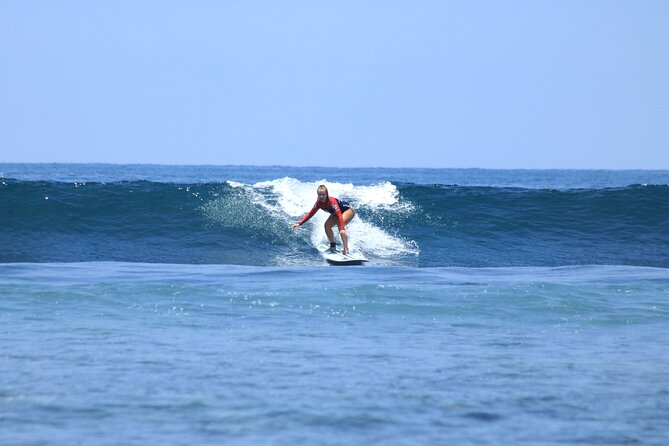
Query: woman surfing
340,211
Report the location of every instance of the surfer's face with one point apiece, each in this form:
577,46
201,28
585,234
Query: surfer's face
322,195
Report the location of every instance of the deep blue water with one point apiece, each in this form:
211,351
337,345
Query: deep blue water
241,216
174,305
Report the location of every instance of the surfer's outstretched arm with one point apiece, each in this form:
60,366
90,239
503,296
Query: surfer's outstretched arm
311,213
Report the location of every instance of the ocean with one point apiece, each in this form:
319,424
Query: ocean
174,305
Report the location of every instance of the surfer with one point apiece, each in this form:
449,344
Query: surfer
341,213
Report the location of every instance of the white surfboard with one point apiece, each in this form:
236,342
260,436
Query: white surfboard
337,258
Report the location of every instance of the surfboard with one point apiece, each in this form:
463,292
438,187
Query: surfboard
337,258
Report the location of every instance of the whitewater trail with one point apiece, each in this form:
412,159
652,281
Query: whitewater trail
289,199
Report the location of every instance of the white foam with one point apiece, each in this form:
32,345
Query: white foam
235,184
295,198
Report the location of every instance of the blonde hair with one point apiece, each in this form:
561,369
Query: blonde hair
327,194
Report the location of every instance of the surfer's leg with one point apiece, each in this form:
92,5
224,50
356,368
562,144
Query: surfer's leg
329,223
348,215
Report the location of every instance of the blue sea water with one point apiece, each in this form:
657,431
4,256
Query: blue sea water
174,305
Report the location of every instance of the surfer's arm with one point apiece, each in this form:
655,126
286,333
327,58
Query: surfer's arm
342,225
311,213
340,217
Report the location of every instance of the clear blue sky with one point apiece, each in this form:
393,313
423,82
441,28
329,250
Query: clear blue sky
469,83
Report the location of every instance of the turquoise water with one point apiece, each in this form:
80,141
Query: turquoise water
449,335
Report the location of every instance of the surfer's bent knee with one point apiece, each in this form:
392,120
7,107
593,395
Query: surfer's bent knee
331,221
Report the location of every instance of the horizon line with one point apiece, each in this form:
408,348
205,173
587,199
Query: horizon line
330,167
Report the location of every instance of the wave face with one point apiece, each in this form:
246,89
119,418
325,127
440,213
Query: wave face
397,223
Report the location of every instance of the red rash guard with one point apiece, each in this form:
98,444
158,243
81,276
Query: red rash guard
333,206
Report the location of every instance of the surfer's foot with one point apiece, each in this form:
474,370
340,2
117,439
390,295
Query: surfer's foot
333,247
